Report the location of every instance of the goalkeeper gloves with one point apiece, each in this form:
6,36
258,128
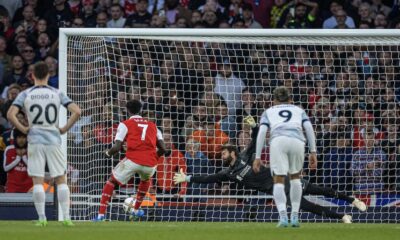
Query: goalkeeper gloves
249,120
179,177
107,154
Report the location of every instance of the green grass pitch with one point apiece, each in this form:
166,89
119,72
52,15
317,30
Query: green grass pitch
25,230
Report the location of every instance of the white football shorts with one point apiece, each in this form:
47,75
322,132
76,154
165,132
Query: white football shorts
286,155
39,155
126,169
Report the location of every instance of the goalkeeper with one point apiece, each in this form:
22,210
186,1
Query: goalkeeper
240,171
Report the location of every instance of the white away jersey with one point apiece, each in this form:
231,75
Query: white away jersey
42,105
285,120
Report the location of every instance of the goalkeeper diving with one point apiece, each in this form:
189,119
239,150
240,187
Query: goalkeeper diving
240,171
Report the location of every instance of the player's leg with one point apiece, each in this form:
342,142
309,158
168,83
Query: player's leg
106,194
36,165
280,199
323,211
57,164
296,161
295,197
312,189
63,195
145,174
120,175
279,168
39,200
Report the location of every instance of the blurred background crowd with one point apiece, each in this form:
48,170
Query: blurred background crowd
199,92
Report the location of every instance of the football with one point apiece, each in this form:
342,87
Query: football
128,204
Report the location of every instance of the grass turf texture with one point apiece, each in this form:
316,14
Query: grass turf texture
25,230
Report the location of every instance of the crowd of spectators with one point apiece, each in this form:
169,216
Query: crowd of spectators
198,92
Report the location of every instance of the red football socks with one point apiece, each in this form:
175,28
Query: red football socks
105,196
142,190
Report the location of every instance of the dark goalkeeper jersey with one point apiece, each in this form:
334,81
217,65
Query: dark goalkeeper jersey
242,171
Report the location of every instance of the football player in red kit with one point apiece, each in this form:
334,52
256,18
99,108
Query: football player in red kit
142,140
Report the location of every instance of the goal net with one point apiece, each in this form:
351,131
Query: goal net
198,85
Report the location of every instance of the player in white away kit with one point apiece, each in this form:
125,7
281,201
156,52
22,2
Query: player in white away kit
41,103
287,141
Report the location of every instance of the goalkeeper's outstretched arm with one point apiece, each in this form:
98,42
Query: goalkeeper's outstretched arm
251,147
212,178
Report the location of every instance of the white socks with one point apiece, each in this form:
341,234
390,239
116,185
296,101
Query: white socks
295,196
63,200
280,199
39,198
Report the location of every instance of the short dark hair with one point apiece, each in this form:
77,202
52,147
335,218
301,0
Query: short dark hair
247,6
210,121
134,106
246,89
18,133
222,103
4,12
370,25
14,86
281,94
117,5
40,70
338,2
230,148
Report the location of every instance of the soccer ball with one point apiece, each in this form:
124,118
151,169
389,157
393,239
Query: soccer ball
128,205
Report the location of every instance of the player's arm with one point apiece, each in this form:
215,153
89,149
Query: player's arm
262,131
12,117
9,162
73,108
311,142
114,149
161,149
314,9
75,115
250,148
122,130
16,106
212,178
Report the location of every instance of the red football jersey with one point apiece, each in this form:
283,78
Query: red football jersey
141,140
18,180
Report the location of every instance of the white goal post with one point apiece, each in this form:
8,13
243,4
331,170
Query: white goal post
348,81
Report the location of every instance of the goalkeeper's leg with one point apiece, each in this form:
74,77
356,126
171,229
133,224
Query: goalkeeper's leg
319,210
312,189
